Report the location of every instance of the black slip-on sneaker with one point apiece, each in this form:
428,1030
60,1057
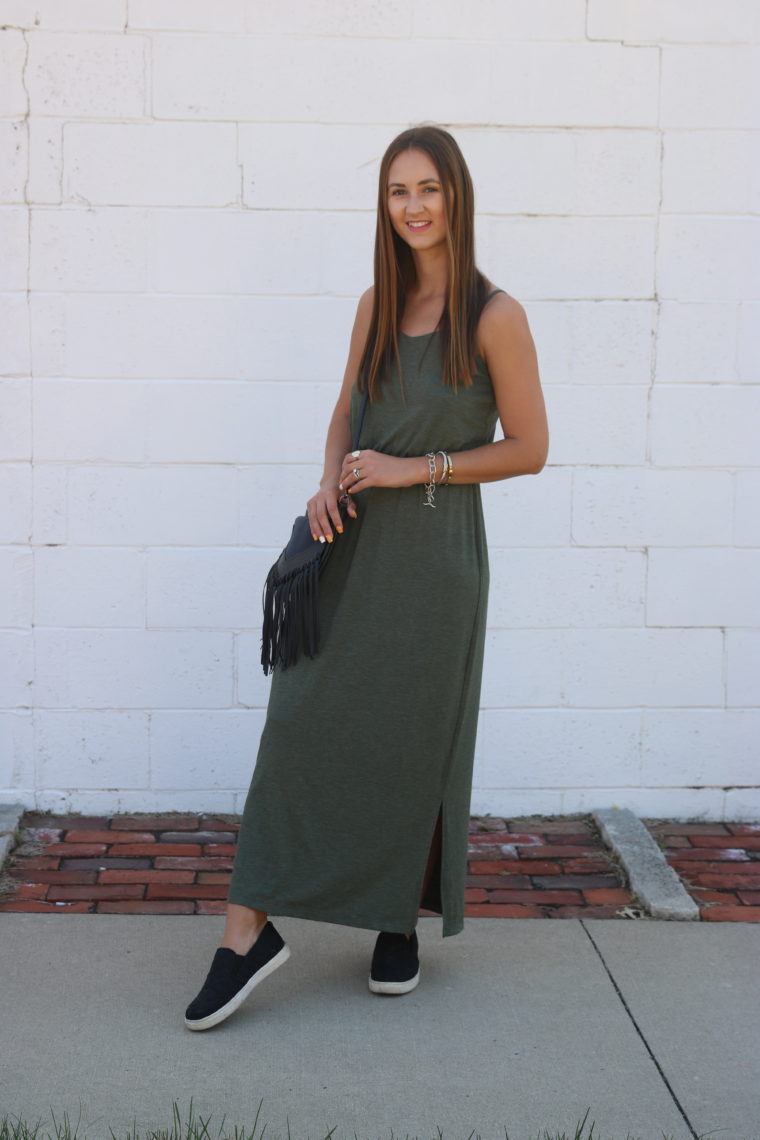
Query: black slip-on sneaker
395,965
232,977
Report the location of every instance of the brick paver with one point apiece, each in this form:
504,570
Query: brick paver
531,867
718,863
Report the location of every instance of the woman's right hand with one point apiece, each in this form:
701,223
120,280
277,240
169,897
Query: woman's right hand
323,507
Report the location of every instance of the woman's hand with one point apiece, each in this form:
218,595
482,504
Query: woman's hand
376,469
322,507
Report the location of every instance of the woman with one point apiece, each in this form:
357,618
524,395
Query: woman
358,807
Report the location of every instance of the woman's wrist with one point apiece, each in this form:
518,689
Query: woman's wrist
419,470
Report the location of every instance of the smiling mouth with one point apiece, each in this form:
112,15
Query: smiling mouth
418,225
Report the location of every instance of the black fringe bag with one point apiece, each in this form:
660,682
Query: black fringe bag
291,590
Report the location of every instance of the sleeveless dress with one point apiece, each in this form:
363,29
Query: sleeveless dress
367,742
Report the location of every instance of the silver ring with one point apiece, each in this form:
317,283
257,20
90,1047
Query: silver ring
357,473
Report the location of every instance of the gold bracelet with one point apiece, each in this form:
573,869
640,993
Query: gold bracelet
451,468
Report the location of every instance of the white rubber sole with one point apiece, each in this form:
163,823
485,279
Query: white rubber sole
393,987
238,999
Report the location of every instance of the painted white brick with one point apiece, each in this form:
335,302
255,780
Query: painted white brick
694,426
133,669
203,588
743,667
710,172
271,495
651,803
307,166
152,506
13,98
14,334
87,420
593,342
47,333
259,251
604,172
17,667
577,258
741,803
522,668
700,746
15,502
592,85
697,343
49,505
112,801
15,587
78,15
540,748
316,17
92,749
14,241
45,159
596,425
514,802
747,509
94,74
506,21
602,668
16,755
199,749
749,344
88,586
88,249
547,587
252,686
247,77
703,587
161,164
16,420
529,511
166,337
708,259
14,159
663,21
643,667
644,506
545,19
710,86
240,423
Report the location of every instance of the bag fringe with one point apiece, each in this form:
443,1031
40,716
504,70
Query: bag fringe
291,616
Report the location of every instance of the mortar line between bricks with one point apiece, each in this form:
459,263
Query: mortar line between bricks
640,1032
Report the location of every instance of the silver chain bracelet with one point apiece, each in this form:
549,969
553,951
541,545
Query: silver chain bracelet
430,487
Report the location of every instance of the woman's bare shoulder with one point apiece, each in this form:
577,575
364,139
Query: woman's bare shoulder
501,313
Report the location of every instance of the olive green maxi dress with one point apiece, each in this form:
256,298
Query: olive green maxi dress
365,743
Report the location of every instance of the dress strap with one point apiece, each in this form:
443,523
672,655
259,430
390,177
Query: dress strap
491,294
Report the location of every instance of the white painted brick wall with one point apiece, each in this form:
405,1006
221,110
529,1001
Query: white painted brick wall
187,210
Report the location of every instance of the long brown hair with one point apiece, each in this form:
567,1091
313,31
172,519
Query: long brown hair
395,272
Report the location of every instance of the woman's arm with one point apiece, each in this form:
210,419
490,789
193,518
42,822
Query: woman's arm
512,364
510,354
323,506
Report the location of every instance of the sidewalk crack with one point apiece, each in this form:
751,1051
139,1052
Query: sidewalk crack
638,1029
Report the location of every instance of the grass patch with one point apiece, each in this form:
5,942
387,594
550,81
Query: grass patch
198,1128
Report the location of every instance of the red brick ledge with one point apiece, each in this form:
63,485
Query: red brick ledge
528,867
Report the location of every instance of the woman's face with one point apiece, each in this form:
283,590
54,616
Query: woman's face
415,195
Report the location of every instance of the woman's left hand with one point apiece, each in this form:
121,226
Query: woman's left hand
375,470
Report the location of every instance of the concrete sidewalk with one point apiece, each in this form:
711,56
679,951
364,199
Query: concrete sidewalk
517,1023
